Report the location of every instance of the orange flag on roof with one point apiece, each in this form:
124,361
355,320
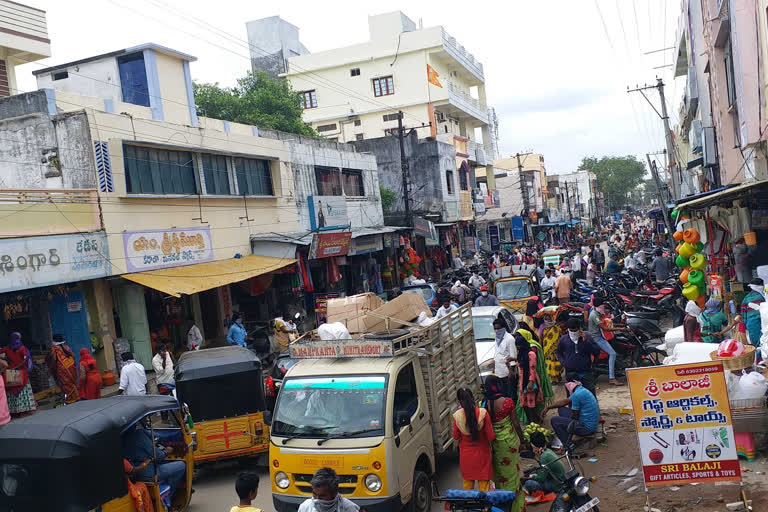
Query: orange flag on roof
432,76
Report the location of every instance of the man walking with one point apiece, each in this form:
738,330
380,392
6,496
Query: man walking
563,286
575,351
133,378
505,357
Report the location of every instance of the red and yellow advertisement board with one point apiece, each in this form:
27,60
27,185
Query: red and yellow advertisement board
683,423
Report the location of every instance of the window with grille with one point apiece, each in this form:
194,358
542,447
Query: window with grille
328,181
358,122
391,117
326,127
449,181
353,182
359,136
391,132
159,171
216,174
354,72
463,180
383,86
308,99
253,177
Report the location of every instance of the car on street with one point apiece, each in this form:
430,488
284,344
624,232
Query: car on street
482,324
427,290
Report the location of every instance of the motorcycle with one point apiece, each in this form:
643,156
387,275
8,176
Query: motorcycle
573,495
458,500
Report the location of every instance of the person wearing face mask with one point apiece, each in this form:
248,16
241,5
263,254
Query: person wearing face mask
575,351
596,327
325,494
505,359
476,281
751,317
447,307
691,326
237,333
486,299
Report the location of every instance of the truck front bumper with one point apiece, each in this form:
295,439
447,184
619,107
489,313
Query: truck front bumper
388,504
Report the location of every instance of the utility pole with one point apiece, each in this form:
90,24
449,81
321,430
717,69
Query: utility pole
662,202
672,165
568,199
524,190
404,168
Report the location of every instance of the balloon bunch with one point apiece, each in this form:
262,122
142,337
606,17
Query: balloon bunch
411,262
690,259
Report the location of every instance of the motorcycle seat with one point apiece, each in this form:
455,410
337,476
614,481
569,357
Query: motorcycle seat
499,496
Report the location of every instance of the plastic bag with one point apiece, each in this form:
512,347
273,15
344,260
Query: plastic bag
689,352
751,385
333,331
730,348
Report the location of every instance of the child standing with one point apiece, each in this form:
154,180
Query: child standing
247,487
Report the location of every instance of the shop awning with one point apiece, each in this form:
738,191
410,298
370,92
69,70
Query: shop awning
714,197
177,281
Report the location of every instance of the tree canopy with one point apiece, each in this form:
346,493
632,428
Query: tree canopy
616,176
257,100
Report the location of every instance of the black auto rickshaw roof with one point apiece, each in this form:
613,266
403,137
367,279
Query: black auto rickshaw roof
215,362
70,431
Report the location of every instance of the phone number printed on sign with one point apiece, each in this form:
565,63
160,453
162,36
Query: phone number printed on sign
683,421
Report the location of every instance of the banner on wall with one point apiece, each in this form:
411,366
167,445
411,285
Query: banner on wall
327,212
365,245
493,237
163,248
683,422
327,245
518,230
47,260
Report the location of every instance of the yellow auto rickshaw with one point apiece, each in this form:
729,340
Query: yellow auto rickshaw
513,293
73,458
223,389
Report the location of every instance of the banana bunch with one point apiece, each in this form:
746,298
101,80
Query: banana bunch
533,427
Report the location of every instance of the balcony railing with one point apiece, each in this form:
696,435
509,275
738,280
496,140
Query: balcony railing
460,53
49,212
461,99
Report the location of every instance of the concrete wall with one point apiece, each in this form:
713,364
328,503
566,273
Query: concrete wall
43,151
306,153
272,41
428,160
97,79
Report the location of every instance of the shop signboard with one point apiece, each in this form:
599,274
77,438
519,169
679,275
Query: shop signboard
334,349
451,211
493,236
327,245
422,227
321,306
163,248
683,422
518,231
327,212
391,240
47,260
365,245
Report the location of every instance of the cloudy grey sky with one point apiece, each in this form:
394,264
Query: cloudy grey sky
556,70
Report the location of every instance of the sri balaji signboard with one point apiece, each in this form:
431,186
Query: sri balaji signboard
47,260
327,245
163,248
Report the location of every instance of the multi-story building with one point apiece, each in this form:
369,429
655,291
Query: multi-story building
533,176
580,196
722,113
355,93
23,39
114,175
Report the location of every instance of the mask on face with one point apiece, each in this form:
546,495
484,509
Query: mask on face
485,294
326,505
574,336
756,288
601,310
500,333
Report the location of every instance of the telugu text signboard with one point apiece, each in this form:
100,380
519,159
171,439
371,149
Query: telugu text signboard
365,245
327,212
327,245
47,260
683,422
163,248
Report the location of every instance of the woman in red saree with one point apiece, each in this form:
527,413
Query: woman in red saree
21,400
472,427
90,378
61,364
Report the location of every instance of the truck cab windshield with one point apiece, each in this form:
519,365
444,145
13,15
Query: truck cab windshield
318,407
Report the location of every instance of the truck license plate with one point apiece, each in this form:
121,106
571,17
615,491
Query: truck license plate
588,506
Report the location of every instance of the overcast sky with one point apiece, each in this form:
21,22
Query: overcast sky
556,74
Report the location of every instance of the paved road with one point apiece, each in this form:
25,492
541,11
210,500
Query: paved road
215,486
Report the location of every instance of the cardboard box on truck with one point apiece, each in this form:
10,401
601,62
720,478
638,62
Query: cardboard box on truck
407,307
349,310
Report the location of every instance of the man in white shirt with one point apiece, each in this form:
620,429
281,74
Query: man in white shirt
163,365
576,266
505,356
629,262
548,282
446,309
194,337
457,263
476,281
133,378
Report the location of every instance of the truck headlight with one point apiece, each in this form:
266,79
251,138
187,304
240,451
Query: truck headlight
581,486
373,483
281,480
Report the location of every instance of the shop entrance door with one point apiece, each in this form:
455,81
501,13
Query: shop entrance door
68,318
132,309
209,309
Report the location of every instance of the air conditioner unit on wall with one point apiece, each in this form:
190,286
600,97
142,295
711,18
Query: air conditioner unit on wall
694,136
709,146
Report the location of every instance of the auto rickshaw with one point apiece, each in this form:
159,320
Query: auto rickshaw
514,291
224,390
72,459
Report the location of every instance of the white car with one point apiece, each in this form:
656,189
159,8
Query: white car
485,339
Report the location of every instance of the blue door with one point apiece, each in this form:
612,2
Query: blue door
68,318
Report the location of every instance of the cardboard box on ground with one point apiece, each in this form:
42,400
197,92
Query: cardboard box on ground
351,311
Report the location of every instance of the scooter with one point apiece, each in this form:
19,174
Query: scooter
573,495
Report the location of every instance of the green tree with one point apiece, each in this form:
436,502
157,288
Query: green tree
257,100
388,198
616,176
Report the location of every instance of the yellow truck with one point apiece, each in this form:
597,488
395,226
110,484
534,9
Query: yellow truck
377,409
